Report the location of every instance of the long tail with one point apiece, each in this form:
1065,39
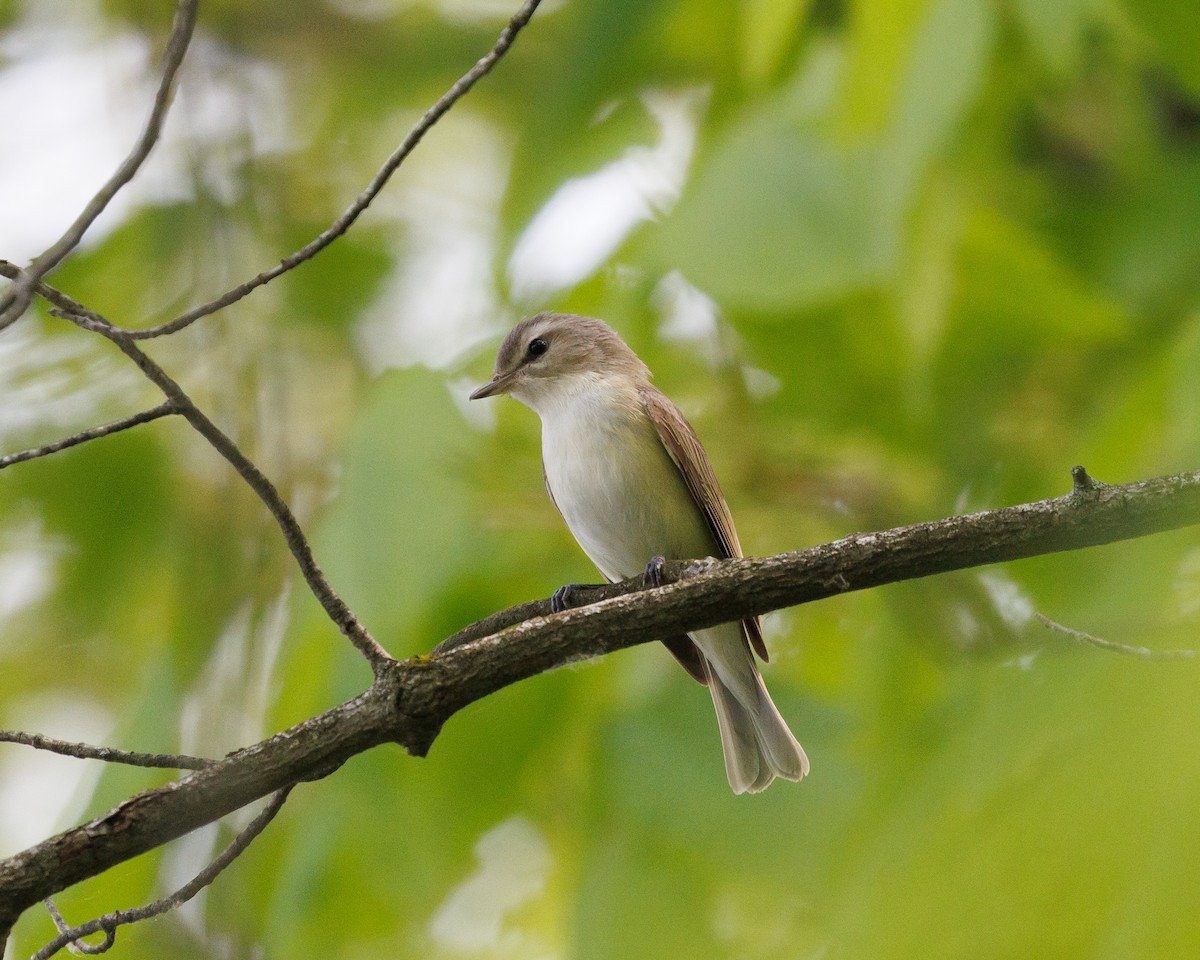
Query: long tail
757,743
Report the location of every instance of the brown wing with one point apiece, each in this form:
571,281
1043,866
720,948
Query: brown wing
681,646
684,447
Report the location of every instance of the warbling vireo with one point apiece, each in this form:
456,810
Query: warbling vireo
632,482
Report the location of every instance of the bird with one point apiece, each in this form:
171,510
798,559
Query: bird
634,486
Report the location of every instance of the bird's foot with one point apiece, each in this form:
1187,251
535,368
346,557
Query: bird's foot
652,576
567,596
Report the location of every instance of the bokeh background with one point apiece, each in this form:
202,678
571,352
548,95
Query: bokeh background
896,259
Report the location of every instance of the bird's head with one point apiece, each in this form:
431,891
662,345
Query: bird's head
553,353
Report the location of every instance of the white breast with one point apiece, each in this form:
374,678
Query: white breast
617,488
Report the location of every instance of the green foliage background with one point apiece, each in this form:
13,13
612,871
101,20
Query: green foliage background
953,247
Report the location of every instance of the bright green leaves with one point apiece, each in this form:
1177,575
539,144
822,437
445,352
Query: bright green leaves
804,200
1015,289
779,219
393,551
944,75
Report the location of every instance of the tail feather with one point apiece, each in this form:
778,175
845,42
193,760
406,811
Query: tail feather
756,741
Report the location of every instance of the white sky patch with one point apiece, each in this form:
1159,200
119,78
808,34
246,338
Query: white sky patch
28,562
226,707
1187,585
963,500
776,625
56,383
182,860
514,861
1013,607
967,624
688,313
760,384
441,301
228,704
589,217
1024,662
691,316
78,94
42,792
482,416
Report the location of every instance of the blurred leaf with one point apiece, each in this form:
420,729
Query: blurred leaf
1057,30
780,219
879,51
945,71
1013,288
768,29
359,262
1172,28
400,526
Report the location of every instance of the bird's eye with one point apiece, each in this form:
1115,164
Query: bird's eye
537,346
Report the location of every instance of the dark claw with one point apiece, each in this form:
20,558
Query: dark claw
653,574
560,600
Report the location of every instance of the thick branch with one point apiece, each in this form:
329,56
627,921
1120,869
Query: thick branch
411,700
16,299
154,817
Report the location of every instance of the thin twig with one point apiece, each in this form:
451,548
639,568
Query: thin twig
297,542
87,751
78,946
17,298
69,309
78,312
164,409
258,481
110,921
364,199
1144,653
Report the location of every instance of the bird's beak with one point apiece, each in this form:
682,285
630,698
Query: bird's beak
498,384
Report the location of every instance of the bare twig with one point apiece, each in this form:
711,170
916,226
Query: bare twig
79,946
17,298
110,921
1144,653
76,312
87,751
364,199
69,309
258,481
164,409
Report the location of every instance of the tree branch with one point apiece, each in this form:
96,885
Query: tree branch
87,751
293,534
1143,653
110,921
17,298
179,401
164,409
410,700
343,223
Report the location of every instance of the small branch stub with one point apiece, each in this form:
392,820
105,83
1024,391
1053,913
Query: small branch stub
1084,482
